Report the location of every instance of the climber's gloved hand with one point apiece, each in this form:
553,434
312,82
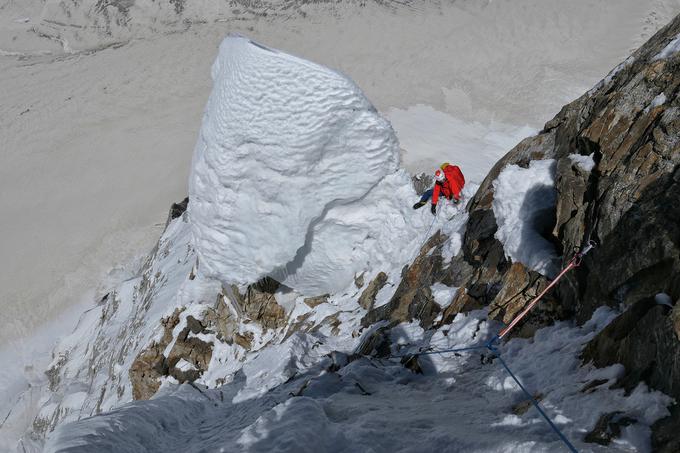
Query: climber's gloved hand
456,200
433,209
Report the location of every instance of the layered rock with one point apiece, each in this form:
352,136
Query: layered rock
617,178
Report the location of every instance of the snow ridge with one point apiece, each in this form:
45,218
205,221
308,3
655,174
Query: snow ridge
283,141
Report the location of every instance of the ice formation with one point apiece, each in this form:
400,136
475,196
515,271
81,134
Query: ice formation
283,143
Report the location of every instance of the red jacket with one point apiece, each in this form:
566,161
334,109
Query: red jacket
451,186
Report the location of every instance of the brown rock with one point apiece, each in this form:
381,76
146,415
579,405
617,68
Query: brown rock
150,365
367,298
413,297
259,304
607,428
313,302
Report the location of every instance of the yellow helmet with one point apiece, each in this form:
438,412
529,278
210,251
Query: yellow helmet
444,165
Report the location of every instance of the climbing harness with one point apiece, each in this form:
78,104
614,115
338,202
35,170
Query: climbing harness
492,345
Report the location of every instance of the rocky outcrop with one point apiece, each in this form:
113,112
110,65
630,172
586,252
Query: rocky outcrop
151,365
259,304
189,355
367,297
413,297
643,340
607,428
187,359
617,180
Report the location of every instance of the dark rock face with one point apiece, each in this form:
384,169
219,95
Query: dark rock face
666,433
413,298
644,341
627,200
608,427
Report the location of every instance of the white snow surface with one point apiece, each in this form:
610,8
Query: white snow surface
283,142
443,295
376,405
523,200
586,163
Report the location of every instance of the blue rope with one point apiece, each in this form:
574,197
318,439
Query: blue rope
491,346
535,403
441,351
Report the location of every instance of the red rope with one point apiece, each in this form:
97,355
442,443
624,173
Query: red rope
575,262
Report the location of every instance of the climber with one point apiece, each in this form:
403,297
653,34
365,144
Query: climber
449,181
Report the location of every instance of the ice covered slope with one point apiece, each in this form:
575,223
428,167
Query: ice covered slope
283,141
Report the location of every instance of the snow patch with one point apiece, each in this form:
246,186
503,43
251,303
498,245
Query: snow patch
443,295
524,204
670,49
660,99
585,163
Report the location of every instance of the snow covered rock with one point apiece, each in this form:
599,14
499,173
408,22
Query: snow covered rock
286,149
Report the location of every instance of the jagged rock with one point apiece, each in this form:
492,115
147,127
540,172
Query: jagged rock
642,339
413,297
222,321
462,303
190,349
150,365
608,427
259,304
359,281
519,287
176,210
367,298
313,302
411,363
665,438
376,343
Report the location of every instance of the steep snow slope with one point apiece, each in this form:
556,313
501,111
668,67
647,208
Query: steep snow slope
457,405
283,141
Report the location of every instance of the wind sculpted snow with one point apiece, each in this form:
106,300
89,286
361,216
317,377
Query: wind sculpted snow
290,174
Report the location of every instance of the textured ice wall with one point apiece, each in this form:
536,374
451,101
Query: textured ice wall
283,141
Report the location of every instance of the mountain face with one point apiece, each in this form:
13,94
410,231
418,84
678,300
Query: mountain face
617,175
609,173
